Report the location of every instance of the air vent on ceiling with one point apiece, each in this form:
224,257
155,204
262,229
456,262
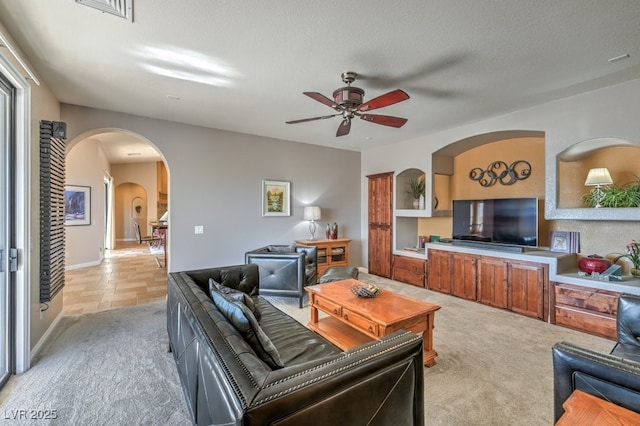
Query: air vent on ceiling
121,8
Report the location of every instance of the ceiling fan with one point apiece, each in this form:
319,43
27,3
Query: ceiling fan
348,101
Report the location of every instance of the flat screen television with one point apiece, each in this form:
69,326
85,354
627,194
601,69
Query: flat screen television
509,221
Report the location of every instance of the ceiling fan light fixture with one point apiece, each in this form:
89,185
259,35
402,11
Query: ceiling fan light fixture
349,97
348,102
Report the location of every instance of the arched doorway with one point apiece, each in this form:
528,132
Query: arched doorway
121,168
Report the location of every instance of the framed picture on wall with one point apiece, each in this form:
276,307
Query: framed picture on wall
77,205
276,198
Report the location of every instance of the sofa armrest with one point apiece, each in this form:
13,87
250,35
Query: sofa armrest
605,376
381,382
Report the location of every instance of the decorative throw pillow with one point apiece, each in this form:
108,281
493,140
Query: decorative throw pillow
241,317
235,295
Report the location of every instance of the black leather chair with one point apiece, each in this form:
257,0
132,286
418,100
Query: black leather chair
285,270
614,377
628,328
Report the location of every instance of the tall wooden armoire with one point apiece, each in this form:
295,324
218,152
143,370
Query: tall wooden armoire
380,223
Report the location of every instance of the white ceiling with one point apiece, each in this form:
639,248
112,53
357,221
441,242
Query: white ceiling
243,65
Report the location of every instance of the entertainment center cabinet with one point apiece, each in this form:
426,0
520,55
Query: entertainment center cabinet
409,270
518,286
539,284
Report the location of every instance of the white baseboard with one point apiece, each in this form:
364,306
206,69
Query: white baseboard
45,336
83,265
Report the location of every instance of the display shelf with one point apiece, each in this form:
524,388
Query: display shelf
330,252
411,213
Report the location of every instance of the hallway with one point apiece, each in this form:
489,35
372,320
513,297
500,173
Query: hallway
128,276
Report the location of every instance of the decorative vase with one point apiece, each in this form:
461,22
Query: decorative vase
593,263
416,203
635,272
327,233
334,231
421,204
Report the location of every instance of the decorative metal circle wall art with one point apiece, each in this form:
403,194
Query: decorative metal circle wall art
499,171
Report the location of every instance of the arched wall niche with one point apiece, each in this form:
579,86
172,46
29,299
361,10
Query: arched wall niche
128,195
443,163
571,168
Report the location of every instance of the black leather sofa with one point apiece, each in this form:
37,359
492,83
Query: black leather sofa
285,270
614,377
226,382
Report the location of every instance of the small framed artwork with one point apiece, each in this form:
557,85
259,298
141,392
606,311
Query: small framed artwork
559,241
276,198
77,205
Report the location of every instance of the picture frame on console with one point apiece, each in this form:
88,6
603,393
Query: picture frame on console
276,198
559,241
77,205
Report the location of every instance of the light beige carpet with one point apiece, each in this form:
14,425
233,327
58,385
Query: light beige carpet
493,367
106,368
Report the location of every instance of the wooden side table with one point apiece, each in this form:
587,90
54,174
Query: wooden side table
330,252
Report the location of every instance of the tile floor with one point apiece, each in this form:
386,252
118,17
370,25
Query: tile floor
128,276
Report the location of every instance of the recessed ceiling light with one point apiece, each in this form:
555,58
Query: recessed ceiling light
619,58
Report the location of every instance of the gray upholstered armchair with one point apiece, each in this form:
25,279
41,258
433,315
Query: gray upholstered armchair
285,269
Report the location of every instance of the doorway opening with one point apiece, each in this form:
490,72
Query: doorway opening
114,162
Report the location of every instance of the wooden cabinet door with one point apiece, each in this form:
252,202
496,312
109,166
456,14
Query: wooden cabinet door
380,251
492,282
380,219
439,271
380,196
463,277
527,282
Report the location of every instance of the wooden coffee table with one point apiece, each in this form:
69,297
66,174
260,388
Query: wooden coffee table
353,320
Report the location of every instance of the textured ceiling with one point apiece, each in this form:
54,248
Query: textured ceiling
243,65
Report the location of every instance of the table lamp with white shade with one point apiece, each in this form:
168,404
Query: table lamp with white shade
312,213
598,177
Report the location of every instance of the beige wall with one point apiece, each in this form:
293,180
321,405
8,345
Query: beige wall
87,165
215,181
610,112
508,151
43,106
124,212
144,175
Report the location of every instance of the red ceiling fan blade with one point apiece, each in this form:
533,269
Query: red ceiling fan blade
384,100
385,120
344,127
311,119
322,99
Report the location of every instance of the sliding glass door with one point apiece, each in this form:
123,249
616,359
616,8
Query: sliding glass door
7,111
